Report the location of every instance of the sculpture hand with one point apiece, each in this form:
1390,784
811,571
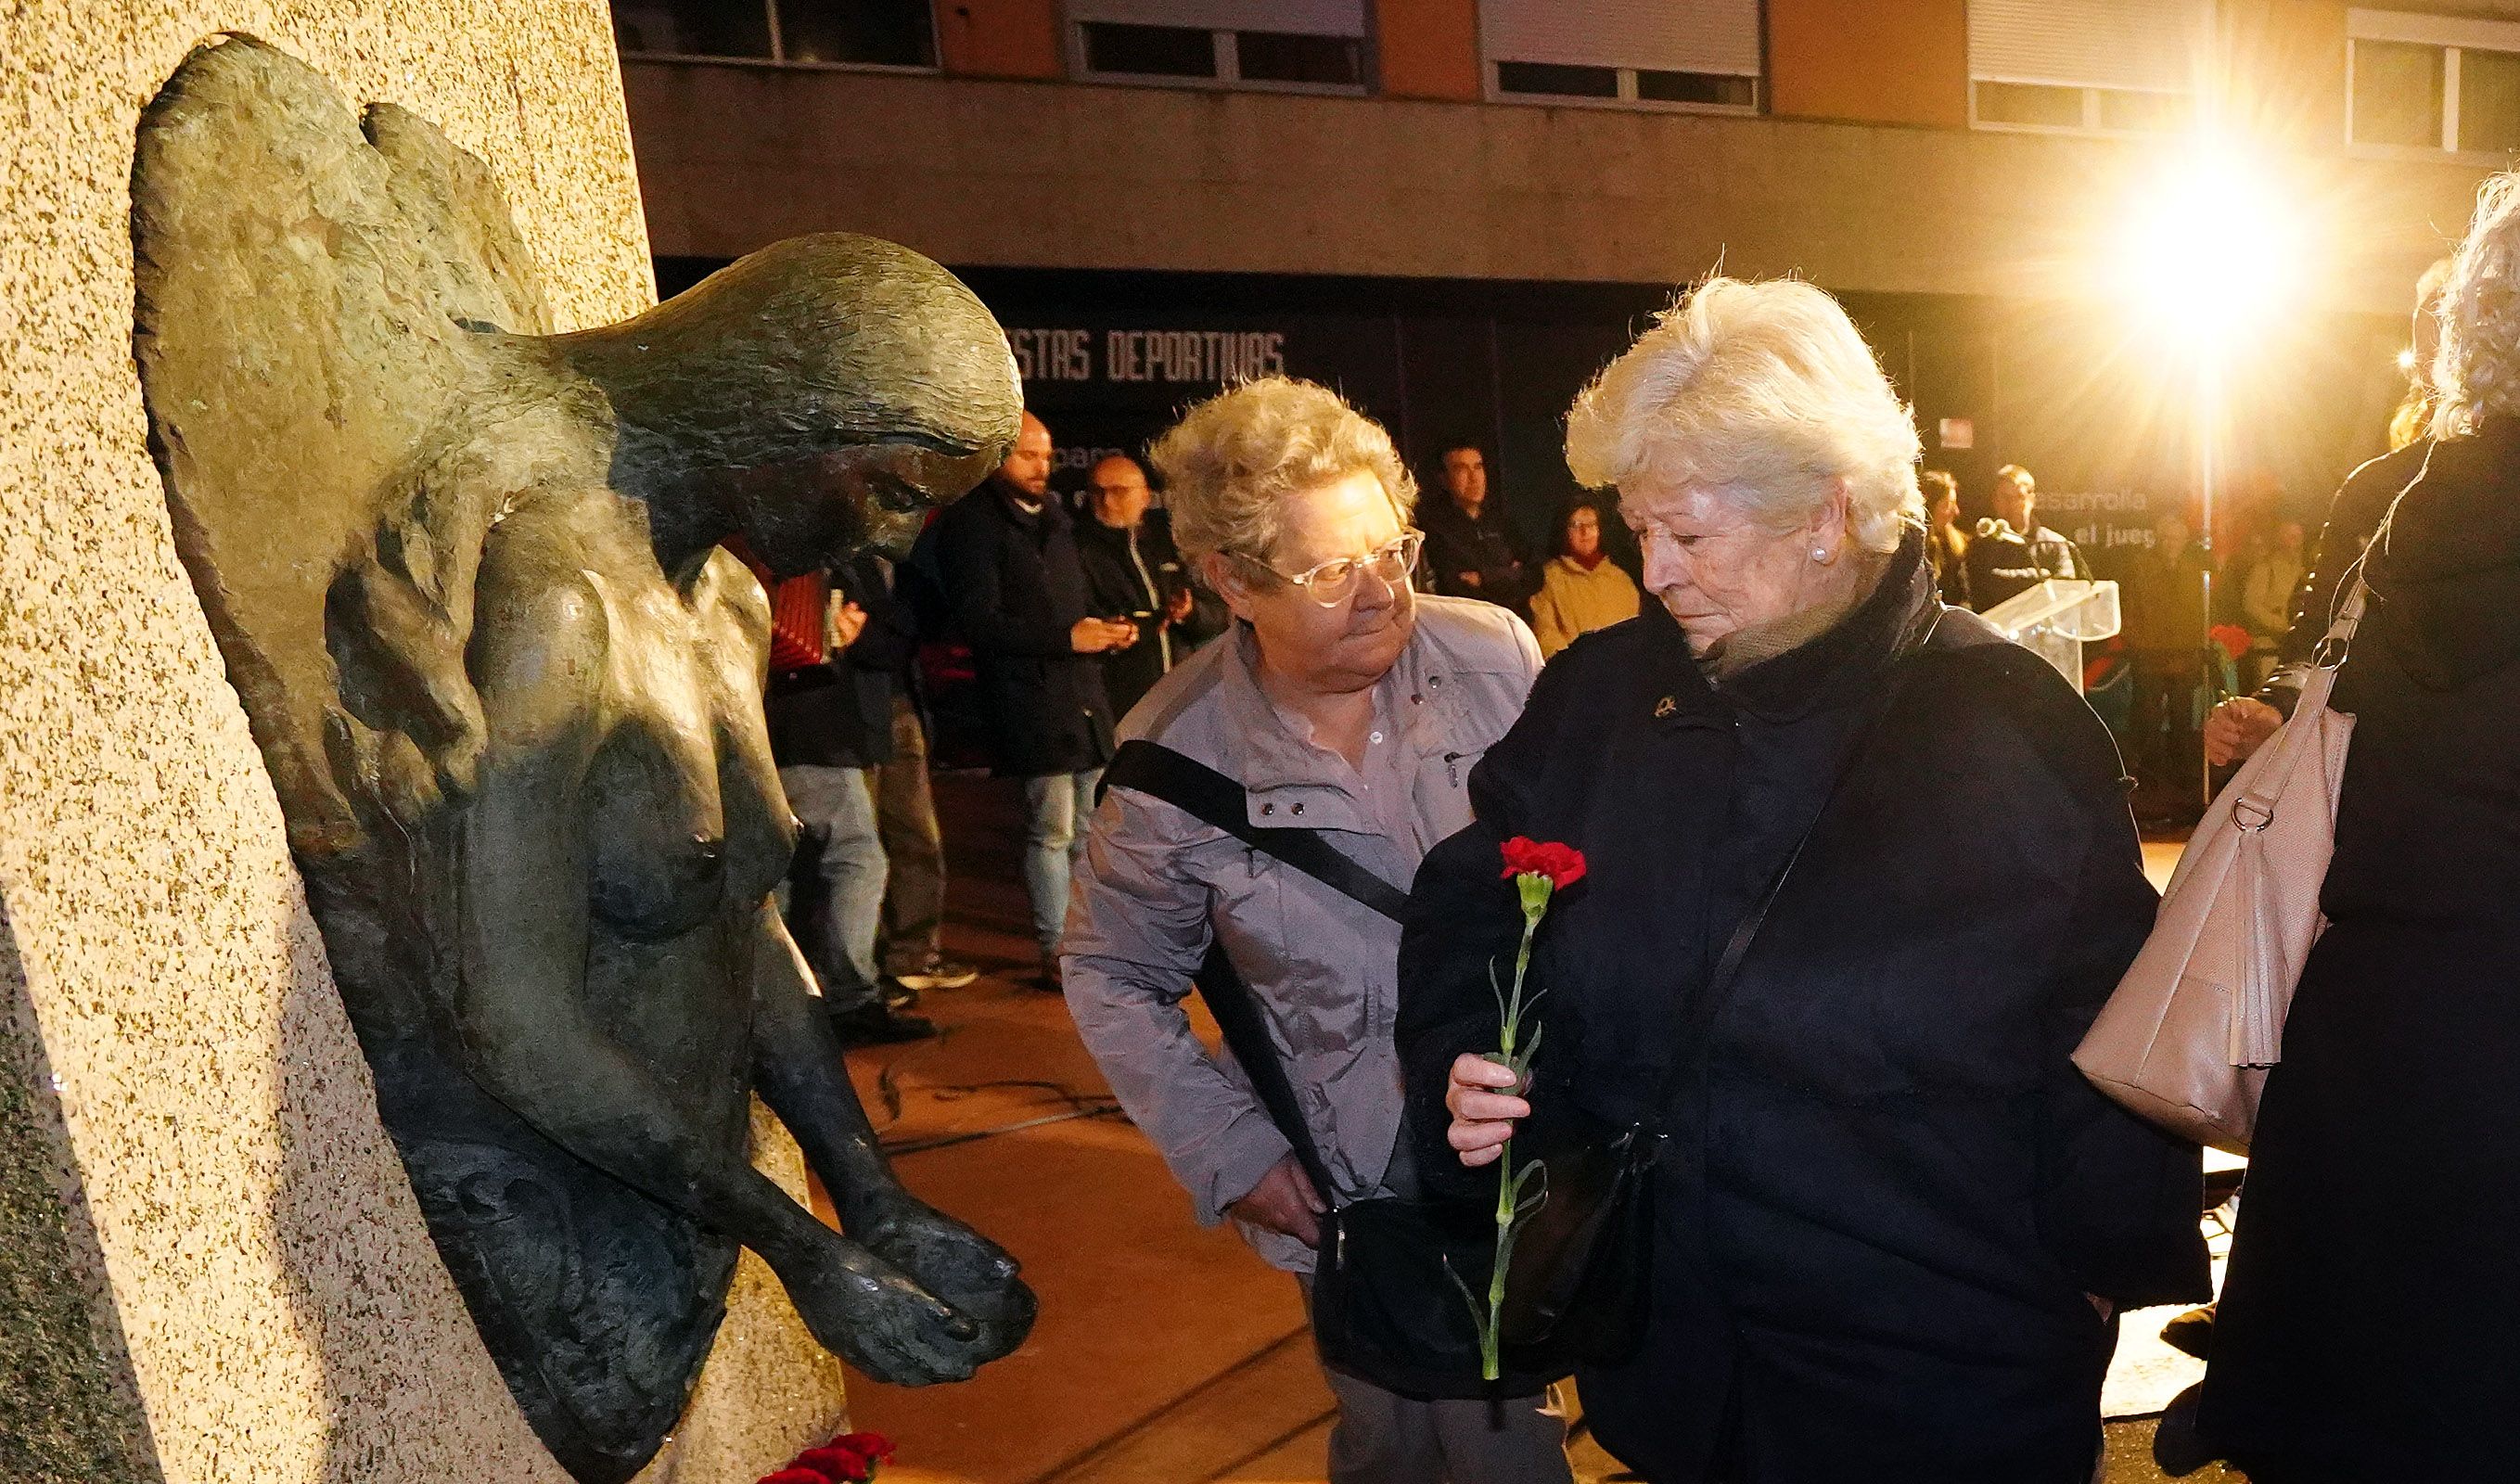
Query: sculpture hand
878,1320
951,1261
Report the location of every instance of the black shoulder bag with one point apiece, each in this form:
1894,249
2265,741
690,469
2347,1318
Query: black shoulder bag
1390,1272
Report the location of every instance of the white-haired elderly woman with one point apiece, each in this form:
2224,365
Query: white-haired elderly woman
1891,1222
1346,704
2369,1326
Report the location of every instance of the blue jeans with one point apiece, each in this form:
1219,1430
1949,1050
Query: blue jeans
835,889
1055,811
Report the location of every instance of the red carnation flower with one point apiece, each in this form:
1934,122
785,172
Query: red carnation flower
838,1464
849,1458
1562,864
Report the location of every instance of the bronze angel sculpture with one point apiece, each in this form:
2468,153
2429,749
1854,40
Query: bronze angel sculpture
466,575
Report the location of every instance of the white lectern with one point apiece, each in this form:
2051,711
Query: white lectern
2057,619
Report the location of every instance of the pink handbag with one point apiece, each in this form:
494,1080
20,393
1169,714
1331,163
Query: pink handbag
2186,1039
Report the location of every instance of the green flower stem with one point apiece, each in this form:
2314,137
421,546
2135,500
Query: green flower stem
1535,890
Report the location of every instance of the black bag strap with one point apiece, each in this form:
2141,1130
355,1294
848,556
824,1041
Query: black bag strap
1245,1030
1728,967
1212,798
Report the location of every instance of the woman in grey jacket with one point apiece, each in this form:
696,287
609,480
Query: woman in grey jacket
1344,702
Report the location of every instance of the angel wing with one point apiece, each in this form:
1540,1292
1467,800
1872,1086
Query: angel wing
314,298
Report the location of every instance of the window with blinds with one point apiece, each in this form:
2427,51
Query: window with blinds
1690,53
1303,44
2103,66
879,34
2432,84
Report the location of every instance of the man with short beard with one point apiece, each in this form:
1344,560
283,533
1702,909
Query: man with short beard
2014,552
1007,555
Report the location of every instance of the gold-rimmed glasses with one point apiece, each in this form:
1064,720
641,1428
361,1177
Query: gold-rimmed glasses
1329,583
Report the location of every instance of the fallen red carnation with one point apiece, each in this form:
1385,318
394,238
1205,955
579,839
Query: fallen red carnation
838,1464
849,1458
1562,864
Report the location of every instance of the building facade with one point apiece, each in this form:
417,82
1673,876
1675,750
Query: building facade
1458,208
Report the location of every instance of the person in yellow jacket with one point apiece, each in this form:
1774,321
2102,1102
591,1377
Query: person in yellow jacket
1581,589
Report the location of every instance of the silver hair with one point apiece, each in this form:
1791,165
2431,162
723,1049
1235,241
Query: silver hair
1761,391
2476,369
1232,461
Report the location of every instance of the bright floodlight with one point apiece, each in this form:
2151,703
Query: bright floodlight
2209,250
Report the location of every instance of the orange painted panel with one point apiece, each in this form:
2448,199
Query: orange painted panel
1901,62
1429,48
999,38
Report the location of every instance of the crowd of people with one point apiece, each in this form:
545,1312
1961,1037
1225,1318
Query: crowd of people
1857,875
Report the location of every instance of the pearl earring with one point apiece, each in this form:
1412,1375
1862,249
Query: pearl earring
1819,553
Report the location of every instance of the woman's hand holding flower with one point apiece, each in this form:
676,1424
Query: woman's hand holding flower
1479,1096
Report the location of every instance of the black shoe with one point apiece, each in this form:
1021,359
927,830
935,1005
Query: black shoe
1051,982
938,972
896,995
879,1025
2178,1449
2190,1333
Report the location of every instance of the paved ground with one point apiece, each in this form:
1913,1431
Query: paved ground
1165,1354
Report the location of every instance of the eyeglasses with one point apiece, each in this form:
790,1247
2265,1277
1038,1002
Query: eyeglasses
1329,583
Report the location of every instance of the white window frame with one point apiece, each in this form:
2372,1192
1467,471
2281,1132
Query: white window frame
1490,73
1228,76
2090,126
2092,94
1627,98
2455,36
779,61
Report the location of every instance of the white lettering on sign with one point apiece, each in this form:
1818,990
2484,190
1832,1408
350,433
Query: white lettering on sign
1203,356
1053,355
1192,355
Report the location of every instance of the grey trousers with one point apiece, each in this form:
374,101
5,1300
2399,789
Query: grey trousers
904,814
1383,1437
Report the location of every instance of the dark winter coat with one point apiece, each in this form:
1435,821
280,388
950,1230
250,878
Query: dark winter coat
1886,1191
2369,1328
838,714
1457,544
1016,589
1136,585
2360,503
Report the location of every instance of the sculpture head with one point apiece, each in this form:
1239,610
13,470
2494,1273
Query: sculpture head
816,398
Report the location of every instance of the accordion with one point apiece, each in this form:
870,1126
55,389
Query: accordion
800,610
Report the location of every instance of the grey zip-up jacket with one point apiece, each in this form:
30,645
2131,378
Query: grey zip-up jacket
1156,887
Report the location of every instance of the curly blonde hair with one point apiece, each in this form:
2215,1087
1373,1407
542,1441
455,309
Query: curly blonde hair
1232,461
2476,369
1765,392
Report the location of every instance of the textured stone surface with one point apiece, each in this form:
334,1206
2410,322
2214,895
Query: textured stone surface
283,1313
66,1413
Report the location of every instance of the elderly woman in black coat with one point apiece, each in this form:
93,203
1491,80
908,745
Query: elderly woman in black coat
1892,1225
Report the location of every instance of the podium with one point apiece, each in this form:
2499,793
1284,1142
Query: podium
2057,619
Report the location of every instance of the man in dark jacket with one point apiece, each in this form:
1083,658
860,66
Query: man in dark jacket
831,726
1469,551
2014,552
1132,571
1006,554
2164,602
